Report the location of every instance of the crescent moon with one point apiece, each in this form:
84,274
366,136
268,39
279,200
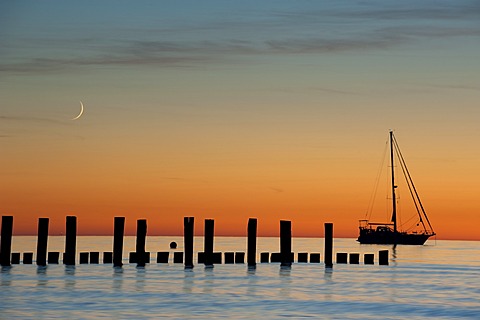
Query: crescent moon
81,112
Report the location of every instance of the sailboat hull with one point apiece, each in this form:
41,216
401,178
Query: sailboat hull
369,236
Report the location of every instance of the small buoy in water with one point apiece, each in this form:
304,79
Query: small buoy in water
173,245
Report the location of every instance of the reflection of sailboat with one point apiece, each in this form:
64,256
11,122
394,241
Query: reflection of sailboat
388,233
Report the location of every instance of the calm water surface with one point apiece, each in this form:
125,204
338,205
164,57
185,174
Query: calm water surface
439,280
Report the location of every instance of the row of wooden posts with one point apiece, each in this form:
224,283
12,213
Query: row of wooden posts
141,257
93,257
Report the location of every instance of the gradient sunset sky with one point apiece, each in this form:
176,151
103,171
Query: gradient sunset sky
236,109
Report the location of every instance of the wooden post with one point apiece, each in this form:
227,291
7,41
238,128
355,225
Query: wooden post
6,241
217,258
188,223
118,230
315,257
208,242
229,257
162,257
354,258
84,257
368,258
383,257
239,257
342,257
94,257
42,241
252,242
302,257
264,257
107,257
141,235
27,257
328,245
276,257
70,241
15,258
53,257
178,258
132,257
285,243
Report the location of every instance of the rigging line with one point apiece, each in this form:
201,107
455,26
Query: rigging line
413,185
409,220
373,196
415,190
409,182
403,166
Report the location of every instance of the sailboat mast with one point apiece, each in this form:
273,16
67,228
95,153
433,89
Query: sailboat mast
394,198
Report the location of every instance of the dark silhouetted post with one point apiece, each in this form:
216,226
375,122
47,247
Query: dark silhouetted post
229,257
264,257
141,237
187,241
276,257
27,257
239,257
162,257
15,258
252,242
6,239
118,230
84,257
315,257
217,258
285,243
302,257
108,257
53,257
342,257
132,257
42,241
354,258
383,257
178,258
208,242
94,257
70,241
328,245
368,258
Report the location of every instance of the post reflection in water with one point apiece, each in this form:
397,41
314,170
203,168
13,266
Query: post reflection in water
394,255
188,280
328,276
42,278
117,278
252,281
140,279
209,283
285,271
6,276
70,277
285,281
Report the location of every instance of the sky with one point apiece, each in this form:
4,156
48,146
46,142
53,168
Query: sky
237,109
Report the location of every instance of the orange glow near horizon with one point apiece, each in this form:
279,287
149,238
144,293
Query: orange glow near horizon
165,204
268,186
209,111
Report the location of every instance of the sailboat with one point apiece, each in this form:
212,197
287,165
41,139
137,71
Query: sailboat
389,233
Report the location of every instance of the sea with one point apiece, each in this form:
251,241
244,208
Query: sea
440,280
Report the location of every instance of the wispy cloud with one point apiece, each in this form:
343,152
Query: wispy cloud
328,90
223,40
276,189
31,119
457,87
